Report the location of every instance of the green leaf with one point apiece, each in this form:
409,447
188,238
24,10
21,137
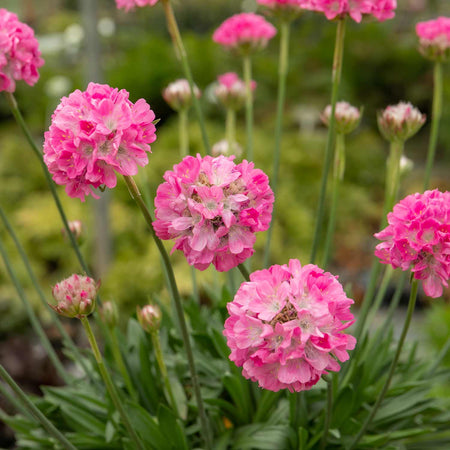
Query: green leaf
262,437
171,428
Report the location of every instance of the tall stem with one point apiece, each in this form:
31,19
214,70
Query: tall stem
244,272
184,132
328,412
109,384
136,195
36,413
336,80
230,129
435,121
248,105
283,68
409,314
180,51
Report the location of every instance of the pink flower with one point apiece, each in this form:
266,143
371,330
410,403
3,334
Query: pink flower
95,134
418,238
20,57
231,90
286,326
213,207
286,9
434,38
244,33
131,4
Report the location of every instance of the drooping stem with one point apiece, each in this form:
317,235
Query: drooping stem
336,80
136,195
34,411
184,132
230,129
328,412
248,106
409,314
180,51
109,384
435,121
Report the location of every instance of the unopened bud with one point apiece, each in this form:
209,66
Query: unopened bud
434,39
149,317
109,314
347,117
178,94
231,90
223,148
76,228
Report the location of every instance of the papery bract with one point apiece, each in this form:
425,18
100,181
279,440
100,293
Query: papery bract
286,326
434,38
95,134
213,207
131,4
418,238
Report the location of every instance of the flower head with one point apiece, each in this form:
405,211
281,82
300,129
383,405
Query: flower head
244,33
95,134
149,317
434,38
400,122
286,9
223,148
75,296
20,57
231,90
418,238
213,207
127,5
178,94
286,326
347,117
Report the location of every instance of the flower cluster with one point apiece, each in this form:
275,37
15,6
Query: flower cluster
127,5
20,57
347,117
244,33
95,134
286,9
178,94
231,90
286,326
434,36
75,296
213,207
418,237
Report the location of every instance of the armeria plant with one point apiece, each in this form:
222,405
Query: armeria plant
283,362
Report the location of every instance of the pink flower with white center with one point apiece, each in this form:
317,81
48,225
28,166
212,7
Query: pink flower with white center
244,33
128,5
75,296
434,36
418,238
93,135
286,326
20,57
347,117
178,94
213,207
231,90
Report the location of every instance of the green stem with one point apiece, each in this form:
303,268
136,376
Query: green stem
184,132
368,421
283,68
163,369
37,414
230,129
328,413
336,80
6,393
392,178
435,121
180,51
109,383
136,195
248,105
244,272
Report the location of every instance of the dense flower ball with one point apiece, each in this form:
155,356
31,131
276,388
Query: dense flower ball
231,90
20,57
347,117
286,326
418,238
213,207
244,33
95,134
434,38
75,296
178,94
127,5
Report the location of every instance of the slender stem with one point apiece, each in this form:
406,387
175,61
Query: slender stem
163,369
230,129
368,421
336,80
283,68
248,105
184,132
244,272
328,413
37,414
392,177
109,383
136,195
435,120
180,51
6,393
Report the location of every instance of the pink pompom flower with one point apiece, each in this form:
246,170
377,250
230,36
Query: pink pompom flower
93,135
20,57
213,207
286,326
434,36
128,5
244,33
231,90
418,238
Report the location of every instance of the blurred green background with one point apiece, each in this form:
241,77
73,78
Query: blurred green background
382,66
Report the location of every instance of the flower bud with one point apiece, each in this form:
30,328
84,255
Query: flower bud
434,39
231,90
109,314
347,117
76,228
75,296
178,94
149,317
400,122
222,148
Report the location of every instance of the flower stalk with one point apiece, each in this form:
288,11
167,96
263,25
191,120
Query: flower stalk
184,132
230,129
328,413
248,105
